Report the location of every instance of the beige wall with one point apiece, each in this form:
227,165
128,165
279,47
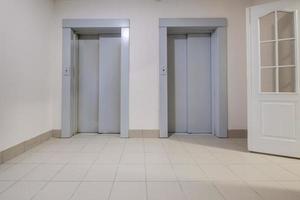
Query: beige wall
25,103
30,58
257,2
144,79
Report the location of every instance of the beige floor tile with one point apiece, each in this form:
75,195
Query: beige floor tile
128,191
57,191
72,172
202,190
189,172
4,167
181,158
236,190
93,148
83,158
291,186
71,148
196,160
22,190
204,158
196,148
108,158
249,172
5,185
59,158
17,171
171,148
43,172
277,173
274,191
102,172
38,158
131,173
133,158
156,158
160,173
293,168
218,172
93,191
240,158
164,191
283,160
134,148
154,148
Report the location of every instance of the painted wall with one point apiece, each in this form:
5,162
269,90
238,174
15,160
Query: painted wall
257,2
25,103
144,75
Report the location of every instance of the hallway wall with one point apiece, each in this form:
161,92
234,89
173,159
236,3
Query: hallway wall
25,103
144,75
30,58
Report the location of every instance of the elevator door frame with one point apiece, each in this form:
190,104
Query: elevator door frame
218,29
70,67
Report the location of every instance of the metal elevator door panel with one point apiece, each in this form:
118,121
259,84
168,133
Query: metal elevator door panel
109,83
177,83
199,83
88,87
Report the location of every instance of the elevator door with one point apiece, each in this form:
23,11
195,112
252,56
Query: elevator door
189,83
177,83
109,84
199,83
88,87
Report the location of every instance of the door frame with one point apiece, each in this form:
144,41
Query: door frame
69,70
218,28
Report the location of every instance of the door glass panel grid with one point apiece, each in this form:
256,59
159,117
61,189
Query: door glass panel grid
277,42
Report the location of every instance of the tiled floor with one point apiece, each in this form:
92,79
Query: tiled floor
92,166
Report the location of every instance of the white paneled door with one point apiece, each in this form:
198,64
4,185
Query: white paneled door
273,78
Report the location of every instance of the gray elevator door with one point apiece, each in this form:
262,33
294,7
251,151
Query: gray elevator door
88,90
177,84
109,84
189,83
199,83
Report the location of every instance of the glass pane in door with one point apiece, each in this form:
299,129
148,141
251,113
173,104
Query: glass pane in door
268,54
287,79
285,25
267,27
286,52
268,80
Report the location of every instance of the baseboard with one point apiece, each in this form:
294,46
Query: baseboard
237,133
56,133
143,133
18,149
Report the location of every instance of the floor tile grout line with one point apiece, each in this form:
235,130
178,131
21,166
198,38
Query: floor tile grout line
114,180
47,182
145,168
218,190
80,182
289,171
14,183
252,189
177,179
